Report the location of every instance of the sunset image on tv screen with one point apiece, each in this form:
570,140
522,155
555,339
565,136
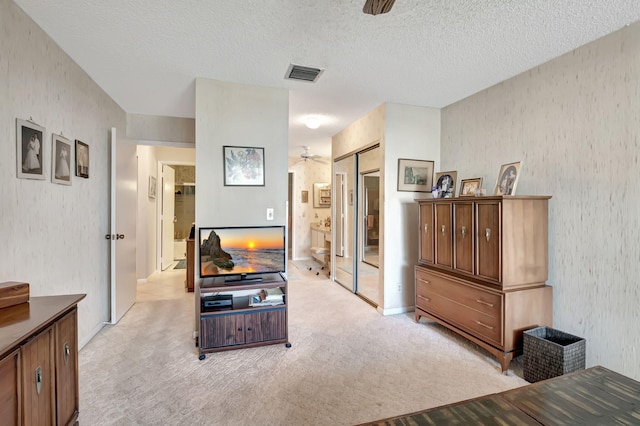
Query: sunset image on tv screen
229,251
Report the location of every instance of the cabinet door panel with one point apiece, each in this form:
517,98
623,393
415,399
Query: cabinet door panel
488,240
10,389
426,233
443,235
38,380
463,237
266,325
222,330
66,359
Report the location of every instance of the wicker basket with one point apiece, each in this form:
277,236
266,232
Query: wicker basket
550,353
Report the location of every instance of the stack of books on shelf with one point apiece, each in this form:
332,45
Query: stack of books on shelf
267,297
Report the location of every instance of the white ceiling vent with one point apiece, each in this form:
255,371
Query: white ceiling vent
299,72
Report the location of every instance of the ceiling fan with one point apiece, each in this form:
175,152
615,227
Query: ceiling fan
306,155
376,7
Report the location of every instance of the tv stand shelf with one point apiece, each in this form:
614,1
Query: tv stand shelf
240,325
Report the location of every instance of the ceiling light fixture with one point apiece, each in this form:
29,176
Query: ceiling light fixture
312,121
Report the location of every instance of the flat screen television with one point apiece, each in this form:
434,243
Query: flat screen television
241,253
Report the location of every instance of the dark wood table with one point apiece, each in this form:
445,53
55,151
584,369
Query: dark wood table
596,396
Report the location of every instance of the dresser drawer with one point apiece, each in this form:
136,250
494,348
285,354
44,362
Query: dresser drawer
480,300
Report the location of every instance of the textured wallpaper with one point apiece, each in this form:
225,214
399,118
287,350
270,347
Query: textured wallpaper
306,173
54,234
575,124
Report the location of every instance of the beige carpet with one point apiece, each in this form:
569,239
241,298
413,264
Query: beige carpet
348,365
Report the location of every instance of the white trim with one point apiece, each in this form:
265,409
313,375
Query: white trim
396,311
141,281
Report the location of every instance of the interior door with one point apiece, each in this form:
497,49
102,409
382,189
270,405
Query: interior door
124,188
168,214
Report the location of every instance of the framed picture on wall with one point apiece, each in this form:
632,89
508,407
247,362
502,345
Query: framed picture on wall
82,159
243,166
508,179
152,187
446,183
29,153
61,160
415,175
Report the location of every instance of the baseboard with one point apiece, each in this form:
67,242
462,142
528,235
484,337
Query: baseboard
396,311
142,281
92,334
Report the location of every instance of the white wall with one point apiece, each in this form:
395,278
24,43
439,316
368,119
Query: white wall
575,124
240,115
53,235
414,133
306,174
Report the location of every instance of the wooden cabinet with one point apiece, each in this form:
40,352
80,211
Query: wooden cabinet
38,361
188,284
242,325
482,269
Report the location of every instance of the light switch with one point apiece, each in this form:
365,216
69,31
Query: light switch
269,214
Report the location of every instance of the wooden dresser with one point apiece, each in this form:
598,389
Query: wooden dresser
482,268
39,361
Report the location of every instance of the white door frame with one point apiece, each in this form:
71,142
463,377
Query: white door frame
293,203
159,207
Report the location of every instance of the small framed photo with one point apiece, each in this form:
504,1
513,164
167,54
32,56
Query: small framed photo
152,187
243,166
508,179
29,140
446,184
82,159
468,187
61,161
415,175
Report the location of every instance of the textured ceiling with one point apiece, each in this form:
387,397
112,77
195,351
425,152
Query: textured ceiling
146,54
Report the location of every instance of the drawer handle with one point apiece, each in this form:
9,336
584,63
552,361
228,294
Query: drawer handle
487,234
443,230
464,231
424,281
490,327
484,303
426,299
38,379
426,228
67,352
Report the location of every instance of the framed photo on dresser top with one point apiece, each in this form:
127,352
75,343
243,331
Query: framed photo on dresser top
446,183
508,179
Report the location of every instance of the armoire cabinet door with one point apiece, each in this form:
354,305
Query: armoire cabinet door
66,358
426,233
488,240
38,380
10,389
444,246
463,237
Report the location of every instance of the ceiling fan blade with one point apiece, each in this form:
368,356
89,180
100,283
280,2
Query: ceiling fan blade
376,7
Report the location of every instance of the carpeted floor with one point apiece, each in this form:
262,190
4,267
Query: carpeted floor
347,364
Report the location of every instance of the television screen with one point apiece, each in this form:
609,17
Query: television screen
229,251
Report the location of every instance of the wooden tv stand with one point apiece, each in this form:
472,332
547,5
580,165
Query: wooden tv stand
241,325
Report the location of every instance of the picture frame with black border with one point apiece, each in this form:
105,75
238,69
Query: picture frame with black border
243,166
468,187
62,159
82,159
30,150
446,184
415,175
508,178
